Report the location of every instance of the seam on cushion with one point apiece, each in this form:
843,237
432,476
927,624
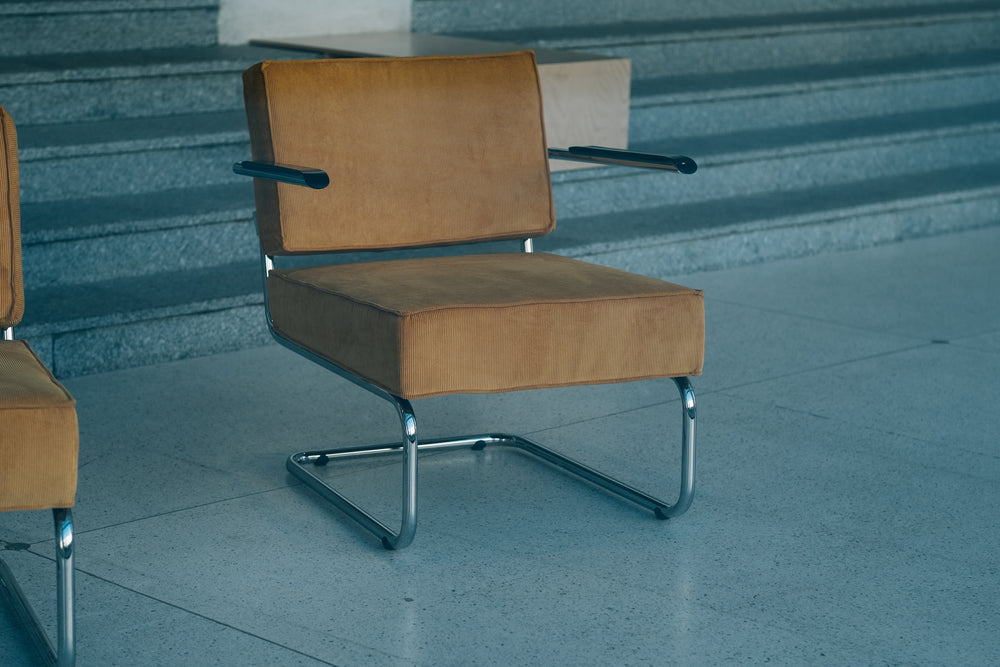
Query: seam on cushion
545,147
514,304
466,390
264,66
464,240
542,302
473,56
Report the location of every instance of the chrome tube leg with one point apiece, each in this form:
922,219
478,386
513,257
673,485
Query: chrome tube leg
408,524
689,415
301,464
66,640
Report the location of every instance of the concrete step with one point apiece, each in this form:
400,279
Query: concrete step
135,321
76,242
119,234
77,160
468,16
675,47
73,26
138,240
777,159
686,105
712,234
81,329
70,88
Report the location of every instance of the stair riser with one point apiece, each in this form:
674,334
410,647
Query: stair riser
105,258
157,340
33,34
688,55
718,178
129,173
682,116
128,97
782,239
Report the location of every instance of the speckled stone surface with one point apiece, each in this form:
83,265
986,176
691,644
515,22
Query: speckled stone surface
845,509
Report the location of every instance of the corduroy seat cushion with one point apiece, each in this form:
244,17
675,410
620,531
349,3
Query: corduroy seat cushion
39,438
489,323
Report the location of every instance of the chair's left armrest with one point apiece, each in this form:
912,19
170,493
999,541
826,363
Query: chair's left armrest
599,154
317,179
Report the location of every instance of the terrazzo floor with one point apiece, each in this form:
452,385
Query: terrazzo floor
846,512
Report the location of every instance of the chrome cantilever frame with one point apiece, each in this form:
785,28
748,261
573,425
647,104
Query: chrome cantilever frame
63,654
301,465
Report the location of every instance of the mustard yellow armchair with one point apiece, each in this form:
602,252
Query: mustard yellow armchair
361,155
38,430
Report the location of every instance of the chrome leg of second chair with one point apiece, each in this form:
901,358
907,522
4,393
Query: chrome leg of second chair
65,588
302,464
63,654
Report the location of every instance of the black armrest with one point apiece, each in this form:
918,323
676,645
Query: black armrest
679,163
284,173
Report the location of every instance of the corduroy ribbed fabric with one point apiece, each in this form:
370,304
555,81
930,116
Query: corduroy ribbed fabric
489,323
420,151
11,289
39,437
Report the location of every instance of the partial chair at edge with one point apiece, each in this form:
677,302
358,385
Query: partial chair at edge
39,437
409,153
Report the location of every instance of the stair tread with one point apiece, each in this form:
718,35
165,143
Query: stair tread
123,135
50,310
736,26
55,67
30,7
775,81
833,135
71,219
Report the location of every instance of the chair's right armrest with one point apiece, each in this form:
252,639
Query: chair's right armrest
601,155
317,179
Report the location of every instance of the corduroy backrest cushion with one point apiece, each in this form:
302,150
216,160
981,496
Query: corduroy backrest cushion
420,151
11,289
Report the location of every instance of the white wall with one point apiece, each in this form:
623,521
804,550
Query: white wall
243,20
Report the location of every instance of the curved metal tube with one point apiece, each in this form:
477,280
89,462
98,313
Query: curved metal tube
689,414
408,524
66,640
297,465
63,653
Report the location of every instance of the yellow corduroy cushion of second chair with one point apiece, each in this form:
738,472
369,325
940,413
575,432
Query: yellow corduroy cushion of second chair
40,439
11,290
